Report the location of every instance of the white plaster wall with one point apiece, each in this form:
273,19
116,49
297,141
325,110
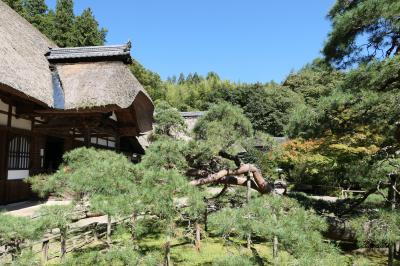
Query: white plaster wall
3,120
21,123
17,174
111,144
3,117
102,142
3,106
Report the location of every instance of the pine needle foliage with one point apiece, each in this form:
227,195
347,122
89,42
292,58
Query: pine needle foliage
17,230
168,121
223,127
298,230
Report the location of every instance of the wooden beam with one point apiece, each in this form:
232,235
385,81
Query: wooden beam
128,131
9,116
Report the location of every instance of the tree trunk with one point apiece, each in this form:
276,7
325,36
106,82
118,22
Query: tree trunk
63,242
248,241
392,197
132,225
248,195
108,230
391,255
248,183
229,176
167,256
198,236
16,252
206,218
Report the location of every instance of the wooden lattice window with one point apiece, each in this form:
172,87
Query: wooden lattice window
18,153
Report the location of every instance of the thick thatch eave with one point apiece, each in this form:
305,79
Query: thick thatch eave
110,85
23,65
94,84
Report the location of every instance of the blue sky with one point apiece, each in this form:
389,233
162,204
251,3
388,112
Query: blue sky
241,40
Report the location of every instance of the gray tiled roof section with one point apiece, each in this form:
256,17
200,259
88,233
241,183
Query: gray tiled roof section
89,52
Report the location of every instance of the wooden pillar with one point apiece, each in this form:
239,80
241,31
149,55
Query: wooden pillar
87,138
68,143
117,142
6,148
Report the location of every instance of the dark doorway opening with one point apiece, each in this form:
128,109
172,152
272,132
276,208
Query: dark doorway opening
54,151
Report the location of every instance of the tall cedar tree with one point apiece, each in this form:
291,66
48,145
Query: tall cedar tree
86,30
64,23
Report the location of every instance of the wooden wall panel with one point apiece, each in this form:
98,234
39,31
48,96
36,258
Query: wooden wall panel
17,190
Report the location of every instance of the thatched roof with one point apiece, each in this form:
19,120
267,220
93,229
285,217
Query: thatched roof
98,84
81,78
23,65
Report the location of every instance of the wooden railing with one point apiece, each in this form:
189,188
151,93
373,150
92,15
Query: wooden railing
48,248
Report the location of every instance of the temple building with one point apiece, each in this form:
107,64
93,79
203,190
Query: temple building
55,99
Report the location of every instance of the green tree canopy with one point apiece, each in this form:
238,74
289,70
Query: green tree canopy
223,126
86,30
61,25
64,23
363,30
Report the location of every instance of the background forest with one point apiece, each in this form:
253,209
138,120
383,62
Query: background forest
340,114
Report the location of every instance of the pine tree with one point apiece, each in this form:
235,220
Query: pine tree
160,190
14,231
60,217
86,30
362,31
64,23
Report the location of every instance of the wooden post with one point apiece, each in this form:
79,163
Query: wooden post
198,236
87,138
63,242
95,235
109,230
133,228
167,256
206,215
45,251
117,143
275,248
